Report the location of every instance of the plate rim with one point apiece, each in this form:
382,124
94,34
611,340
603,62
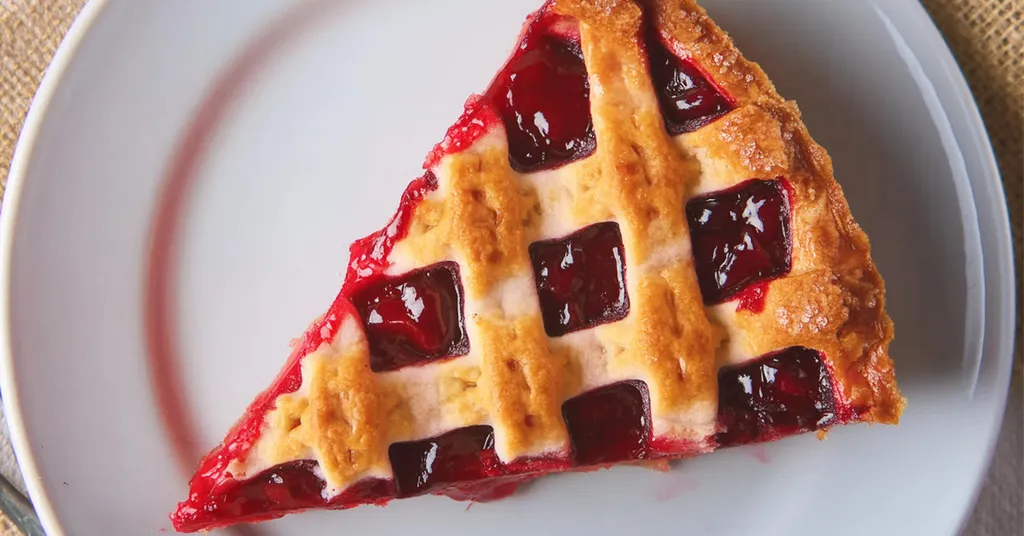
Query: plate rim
16,177
999,258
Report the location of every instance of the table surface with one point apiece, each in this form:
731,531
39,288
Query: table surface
986,36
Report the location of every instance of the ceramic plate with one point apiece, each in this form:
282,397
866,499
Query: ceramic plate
259,137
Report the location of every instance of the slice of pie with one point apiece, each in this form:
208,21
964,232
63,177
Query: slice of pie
628,248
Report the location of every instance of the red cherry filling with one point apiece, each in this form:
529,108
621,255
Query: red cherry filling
609,424
274,492
688,101
543,96
740,236
413,318
780,394
369,254
285,487
581,279
461,455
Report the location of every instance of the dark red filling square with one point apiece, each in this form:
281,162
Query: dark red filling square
461,455
280,489
688,101
581,279
740,236
413,318
780,394
543,97
609,424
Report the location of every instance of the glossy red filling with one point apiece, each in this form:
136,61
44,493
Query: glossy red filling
461,455
368,256
543,97
780,394
463,465
740,236
414,318
609,424
688,101
277,491
581,279
606,425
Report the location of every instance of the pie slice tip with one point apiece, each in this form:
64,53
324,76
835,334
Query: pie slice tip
628,249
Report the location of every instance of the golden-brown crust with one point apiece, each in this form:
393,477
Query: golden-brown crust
522,378
831,254
483,223
480,219
484,216
746,143
640,176
338,415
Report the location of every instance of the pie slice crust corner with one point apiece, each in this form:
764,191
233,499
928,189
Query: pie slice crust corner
627,249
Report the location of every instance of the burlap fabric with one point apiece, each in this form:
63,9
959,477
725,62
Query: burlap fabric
987,38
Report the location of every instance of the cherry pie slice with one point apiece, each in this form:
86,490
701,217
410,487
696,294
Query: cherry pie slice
627,249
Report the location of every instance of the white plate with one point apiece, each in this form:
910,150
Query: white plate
308,126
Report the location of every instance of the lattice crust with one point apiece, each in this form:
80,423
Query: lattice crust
484,216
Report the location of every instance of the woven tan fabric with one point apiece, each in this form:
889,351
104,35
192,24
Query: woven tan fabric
30,31
986,36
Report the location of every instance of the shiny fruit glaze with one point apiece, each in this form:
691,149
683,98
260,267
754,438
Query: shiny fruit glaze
581,279
543,98
740,236
369,256
462,455
780,394
688,100
609,424
279,490
414,318
462,464
752,299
